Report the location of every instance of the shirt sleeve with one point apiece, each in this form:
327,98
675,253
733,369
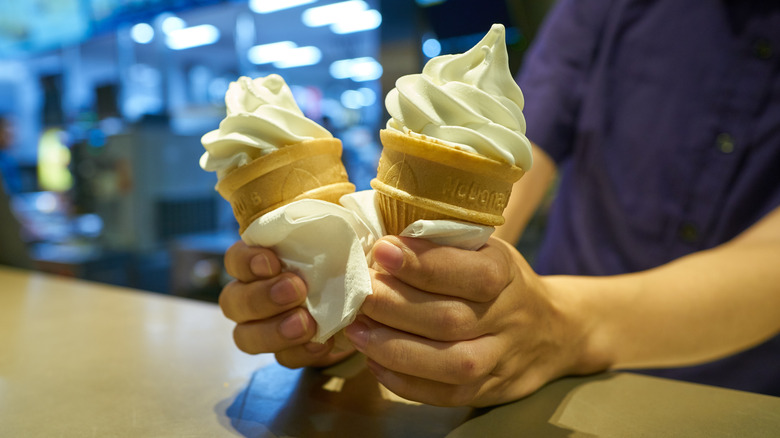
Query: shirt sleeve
555,70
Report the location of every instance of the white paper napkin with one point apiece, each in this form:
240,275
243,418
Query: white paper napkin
464,235
329,245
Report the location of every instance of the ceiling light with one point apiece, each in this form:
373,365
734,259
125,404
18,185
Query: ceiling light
142,33
332,13
366,71
357,69
358,22
190,37
268,6
284,54
268,53
172,24
299,57
431,47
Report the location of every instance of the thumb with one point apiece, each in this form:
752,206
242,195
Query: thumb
472,275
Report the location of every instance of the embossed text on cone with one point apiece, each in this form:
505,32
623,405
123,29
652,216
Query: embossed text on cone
424,179
311,169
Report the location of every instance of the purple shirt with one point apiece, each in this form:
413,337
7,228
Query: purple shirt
664,119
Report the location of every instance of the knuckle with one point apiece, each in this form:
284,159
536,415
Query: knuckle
455,319
495,280
468,366
255,337
226,300
245,343
233,257
242,302
379,301
249,305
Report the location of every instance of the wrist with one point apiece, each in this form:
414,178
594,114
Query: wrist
585,345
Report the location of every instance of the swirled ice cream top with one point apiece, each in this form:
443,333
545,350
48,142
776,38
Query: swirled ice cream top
469,101
262,117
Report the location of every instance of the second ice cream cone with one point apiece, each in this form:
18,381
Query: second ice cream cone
308,170
422,179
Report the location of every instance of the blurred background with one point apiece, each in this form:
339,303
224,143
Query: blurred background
103,103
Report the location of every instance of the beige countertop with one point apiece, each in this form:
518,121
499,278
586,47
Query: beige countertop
80,359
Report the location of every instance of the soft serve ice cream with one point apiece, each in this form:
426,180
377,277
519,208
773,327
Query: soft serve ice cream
283,176
455,142
268,154
262,117
469,101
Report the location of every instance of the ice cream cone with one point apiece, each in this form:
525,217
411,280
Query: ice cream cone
311,169
423,179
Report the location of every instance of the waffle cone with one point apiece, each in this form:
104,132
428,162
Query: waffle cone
423,179
308,170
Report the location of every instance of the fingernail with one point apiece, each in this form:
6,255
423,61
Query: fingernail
357,332
388,255
293,327
284,292
260,265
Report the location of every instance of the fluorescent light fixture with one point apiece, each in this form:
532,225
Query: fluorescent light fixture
172,24
431,47
190,37
358,22
284,54
268,6
333,13
268,53
299,57
366,71
142,33
341,69
357,69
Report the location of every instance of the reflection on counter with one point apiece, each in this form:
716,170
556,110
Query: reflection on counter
341,401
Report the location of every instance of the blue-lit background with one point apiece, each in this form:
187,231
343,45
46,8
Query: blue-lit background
107,100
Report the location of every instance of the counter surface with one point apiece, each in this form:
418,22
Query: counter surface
80,359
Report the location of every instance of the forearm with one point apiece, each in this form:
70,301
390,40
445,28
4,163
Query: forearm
527,194
695,309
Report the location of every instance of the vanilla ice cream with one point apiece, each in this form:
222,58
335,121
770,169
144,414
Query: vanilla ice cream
469,101
262,117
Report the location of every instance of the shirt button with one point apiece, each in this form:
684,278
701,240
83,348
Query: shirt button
762,49
725,143
688,232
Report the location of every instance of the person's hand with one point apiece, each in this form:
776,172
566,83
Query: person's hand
451,327
267,307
